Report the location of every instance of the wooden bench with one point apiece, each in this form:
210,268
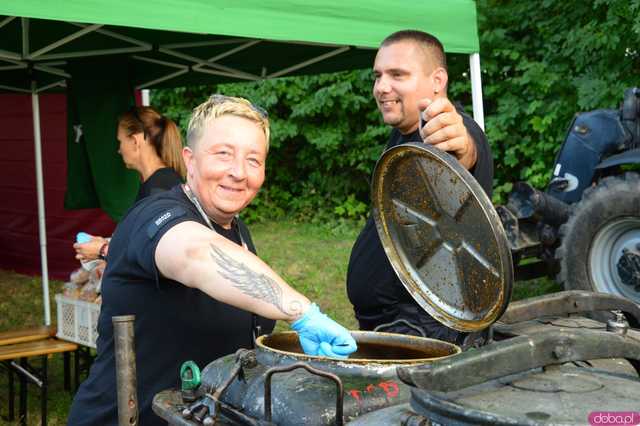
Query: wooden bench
26,335
15,358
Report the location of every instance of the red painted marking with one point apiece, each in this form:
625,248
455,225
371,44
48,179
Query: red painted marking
356,394
390,388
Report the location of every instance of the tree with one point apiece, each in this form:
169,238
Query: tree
544,61
326,137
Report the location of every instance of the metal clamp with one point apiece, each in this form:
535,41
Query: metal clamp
203,411
619,324
275,370
207,408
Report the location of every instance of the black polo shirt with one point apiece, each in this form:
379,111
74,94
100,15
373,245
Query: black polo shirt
377,295
161,180
174,323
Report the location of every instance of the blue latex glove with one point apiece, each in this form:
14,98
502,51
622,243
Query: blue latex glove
320,335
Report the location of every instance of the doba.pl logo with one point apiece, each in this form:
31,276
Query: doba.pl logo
614,418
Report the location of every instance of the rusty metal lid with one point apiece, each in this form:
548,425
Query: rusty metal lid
442,236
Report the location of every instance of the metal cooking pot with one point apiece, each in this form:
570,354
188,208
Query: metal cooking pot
280,383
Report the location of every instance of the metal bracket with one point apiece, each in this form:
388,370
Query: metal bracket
25,372
517,355
570,302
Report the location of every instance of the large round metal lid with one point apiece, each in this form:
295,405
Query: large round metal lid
442,236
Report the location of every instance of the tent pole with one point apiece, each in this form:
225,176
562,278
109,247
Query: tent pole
145,97
476,89
35,105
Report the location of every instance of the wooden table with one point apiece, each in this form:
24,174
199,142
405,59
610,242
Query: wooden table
35,348
26,335
14,356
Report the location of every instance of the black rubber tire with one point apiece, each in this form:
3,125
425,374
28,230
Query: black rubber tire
613,198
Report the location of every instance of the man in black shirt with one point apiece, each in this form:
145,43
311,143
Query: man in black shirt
411,79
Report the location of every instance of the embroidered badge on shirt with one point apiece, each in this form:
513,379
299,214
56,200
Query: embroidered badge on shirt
162,219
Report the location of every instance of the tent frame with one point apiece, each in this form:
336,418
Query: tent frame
47,62
205,66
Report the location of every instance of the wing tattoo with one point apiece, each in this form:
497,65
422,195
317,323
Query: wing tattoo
249,282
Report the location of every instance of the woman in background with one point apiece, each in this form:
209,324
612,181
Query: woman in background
150,144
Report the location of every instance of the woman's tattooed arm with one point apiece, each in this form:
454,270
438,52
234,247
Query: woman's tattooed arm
249,282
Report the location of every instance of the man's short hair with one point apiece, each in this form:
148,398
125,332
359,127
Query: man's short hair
430,44
218,105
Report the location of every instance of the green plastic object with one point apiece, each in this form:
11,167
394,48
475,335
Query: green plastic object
189,375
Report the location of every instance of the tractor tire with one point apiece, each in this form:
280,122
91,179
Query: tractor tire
600,249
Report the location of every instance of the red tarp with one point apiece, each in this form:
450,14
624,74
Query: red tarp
19,242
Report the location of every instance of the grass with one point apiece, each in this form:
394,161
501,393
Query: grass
312,258
533,288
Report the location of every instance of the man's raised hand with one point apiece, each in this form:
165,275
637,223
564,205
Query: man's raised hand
445,130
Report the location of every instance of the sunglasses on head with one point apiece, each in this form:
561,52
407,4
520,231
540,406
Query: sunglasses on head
219,99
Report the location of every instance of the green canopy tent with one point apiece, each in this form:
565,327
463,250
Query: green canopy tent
179,43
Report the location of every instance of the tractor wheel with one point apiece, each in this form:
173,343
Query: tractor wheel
600,248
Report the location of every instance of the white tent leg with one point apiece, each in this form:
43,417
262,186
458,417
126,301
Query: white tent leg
145,97
42,228
476,89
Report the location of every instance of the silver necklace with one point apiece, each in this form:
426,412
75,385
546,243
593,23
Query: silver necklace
234,223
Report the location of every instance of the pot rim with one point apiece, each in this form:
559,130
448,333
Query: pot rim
455,349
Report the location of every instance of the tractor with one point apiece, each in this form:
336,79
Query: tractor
584,229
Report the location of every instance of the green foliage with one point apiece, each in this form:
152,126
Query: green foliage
326,136
542,62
